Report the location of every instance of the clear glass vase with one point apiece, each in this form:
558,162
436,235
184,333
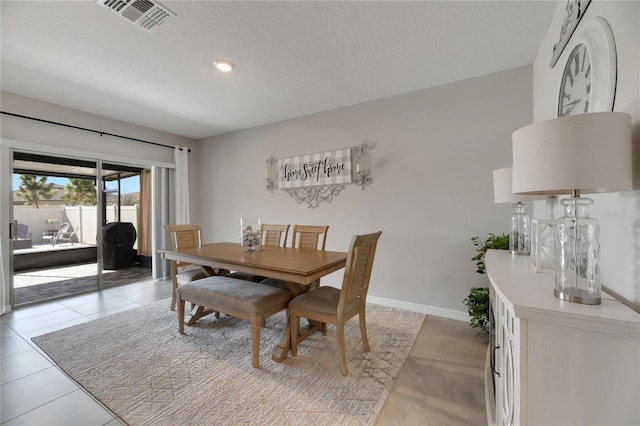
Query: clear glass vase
520,236
250,233
577,254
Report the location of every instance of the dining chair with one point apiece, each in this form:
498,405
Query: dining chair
272,235
335,306
309,236
185,236
306,237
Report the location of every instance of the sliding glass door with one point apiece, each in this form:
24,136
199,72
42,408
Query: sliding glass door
68,232
54,245
123,225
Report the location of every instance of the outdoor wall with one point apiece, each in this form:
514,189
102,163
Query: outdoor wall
435,151
82,218
618,213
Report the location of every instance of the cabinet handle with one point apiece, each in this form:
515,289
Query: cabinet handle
493,359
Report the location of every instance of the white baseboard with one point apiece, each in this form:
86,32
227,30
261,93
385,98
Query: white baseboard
423,309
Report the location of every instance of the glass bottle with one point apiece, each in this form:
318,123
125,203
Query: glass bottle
577,255
520,236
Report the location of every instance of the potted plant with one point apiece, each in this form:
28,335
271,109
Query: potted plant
51,223
498,242
477,302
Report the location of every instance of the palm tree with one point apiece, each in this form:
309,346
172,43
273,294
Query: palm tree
34,188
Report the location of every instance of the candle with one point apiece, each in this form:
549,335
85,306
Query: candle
357,168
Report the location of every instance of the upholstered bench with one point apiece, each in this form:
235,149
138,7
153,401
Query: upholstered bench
241,299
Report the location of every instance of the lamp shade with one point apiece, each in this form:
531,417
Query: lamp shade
502,192
589,152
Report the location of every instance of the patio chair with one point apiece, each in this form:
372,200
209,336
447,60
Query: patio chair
336,306
23,232
64,234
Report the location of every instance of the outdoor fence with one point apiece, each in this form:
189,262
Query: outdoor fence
82,218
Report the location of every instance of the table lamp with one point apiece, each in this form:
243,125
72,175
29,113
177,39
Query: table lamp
520,235
589,153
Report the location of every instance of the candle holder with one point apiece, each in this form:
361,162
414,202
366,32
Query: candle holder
271,174
362,166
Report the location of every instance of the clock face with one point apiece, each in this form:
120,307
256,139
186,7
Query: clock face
575,89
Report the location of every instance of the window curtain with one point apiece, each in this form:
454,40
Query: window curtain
4,303
144,221
181,156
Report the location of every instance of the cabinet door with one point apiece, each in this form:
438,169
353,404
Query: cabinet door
506,362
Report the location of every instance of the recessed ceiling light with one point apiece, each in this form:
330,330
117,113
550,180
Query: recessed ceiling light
224,66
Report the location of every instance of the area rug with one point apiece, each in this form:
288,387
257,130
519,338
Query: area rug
137,365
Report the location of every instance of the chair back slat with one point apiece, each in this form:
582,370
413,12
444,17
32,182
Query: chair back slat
355,284
275,235
183,236
309,236
185,239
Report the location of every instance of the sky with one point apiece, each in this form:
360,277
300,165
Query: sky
128,185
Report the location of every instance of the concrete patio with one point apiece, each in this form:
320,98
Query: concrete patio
50,272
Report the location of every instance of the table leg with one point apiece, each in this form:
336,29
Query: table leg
284,346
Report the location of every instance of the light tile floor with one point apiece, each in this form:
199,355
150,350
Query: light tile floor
32,390
440,384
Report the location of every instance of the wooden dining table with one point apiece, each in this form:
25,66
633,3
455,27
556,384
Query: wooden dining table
299,268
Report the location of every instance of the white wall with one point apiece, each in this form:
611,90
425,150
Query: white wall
432,182
18,133
618,213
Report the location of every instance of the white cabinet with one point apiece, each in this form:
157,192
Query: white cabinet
556,362
507,357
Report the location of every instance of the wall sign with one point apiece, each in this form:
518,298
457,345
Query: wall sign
320,169
313,179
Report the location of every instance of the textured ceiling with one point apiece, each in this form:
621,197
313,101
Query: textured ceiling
292,58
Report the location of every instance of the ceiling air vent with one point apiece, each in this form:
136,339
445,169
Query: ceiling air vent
147,14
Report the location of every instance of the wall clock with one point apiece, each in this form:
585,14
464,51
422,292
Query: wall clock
588,81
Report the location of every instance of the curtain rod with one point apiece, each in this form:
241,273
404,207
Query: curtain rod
101,133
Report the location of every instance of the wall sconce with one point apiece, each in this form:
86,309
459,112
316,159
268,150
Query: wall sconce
271,174
362,162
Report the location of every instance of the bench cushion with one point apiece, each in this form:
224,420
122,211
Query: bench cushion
219,292
191,274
